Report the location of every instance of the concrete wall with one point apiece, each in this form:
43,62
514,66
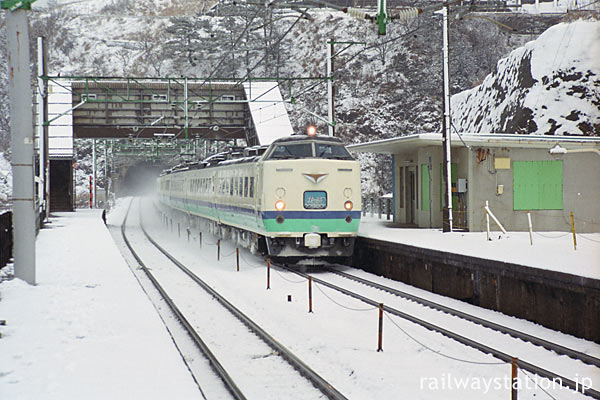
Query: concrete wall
581,188
564,302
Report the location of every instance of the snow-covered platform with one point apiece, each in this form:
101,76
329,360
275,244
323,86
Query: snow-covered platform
552,251
544,282
86,330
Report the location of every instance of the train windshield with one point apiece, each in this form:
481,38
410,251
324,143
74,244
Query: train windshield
293,150
335,151
305,150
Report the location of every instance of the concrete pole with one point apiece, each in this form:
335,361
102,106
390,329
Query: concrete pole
21,128
446,123
186,109
330,103
105,173
42,115
94,172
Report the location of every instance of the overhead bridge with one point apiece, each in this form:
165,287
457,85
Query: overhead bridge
148,120
177,107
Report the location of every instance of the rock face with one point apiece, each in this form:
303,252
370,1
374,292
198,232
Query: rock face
550,86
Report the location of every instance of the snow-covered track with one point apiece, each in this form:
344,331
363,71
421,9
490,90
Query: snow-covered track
214,362
278,349
501,355
557,348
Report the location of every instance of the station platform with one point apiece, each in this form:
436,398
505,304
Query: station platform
543,282
550,251
86,330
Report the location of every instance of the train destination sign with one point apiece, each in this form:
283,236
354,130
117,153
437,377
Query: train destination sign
315,200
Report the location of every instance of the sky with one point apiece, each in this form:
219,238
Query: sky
87,330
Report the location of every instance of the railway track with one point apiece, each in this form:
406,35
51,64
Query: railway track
557,348
278,355
501,355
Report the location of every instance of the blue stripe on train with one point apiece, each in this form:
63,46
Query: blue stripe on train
313,214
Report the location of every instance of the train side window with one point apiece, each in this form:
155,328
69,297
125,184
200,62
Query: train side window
246,186
251,189
231,186
241,187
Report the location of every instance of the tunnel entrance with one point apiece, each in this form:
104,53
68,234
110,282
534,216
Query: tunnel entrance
61,185
140,179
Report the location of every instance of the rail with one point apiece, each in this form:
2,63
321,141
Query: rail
457,337
577,355
315,379
214,362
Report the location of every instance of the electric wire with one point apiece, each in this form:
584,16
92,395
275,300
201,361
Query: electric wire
439,352
535,383
341,305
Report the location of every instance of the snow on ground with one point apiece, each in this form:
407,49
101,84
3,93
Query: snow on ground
339,339
87,330
550,250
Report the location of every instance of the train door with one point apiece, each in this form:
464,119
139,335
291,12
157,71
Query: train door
256,185
410,195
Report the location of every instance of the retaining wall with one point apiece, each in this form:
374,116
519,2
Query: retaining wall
559,301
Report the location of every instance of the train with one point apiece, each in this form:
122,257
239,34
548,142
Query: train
298,198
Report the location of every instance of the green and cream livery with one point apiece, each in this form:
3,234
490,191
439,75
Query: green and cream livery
300,197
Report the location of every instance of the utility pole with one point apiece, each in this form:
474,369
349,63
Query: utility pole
22,138
330,104
331,123
382,17
446,124
42,135
94,172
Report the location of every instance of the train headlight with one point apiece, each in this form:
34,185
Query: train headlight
348,205
311,130
280,205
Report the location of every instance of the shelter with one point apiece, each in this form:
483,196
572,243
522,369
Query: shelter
550,176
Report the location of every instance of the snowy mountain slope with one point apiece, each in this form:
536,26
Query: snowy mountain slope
550,86
385,86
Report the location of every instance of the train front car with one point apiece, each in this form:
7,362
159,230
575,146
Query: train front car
311,198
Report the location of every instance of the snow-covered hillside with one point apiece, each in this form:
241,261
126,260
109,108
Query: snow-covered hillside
550,86
385,86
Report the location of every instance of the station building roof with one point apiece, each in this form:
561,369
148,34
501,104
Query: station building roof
410,143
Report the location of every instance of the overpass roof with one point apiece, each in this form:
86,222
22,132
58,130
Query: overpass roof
268,112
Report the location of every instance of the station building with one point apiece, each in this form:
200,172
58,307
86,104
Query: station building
550,176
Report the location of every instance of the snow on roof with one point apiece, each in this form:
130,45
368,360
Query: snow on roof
60,116
268,111
411,142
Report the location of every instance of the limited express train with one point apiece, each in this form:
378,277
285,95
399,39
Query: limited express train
298,198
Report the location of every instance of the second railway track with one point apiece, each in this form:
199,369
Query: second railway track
481,345
557,348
